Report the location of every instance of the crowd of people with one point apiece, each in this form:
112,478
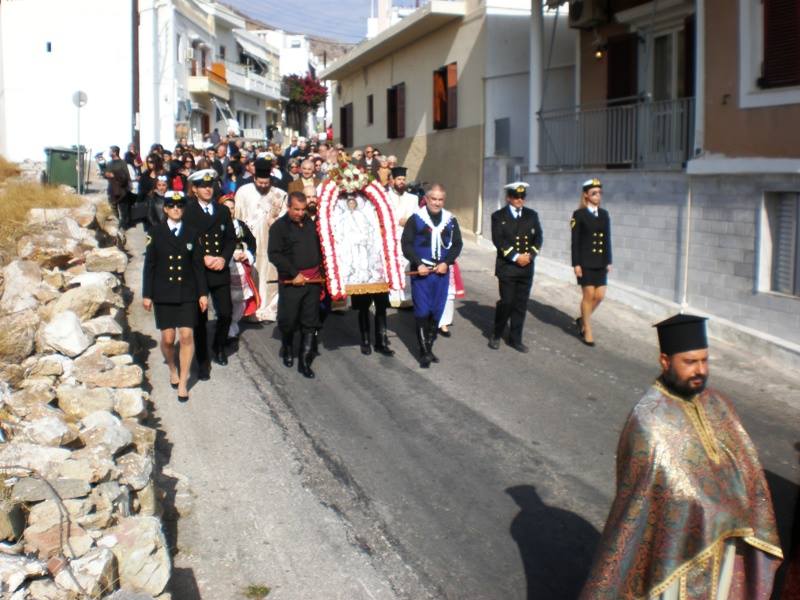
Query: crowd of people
236,226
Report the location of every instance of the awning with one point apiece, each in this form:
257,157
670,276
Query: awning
252,45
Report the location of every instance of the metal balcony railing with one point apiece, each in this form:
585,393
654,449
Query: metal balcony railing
634,133
244,78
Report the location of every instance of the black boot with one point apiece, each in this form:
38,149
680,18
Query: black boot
363,327
424,356
381,337
305,356
287,349
315,343
430,337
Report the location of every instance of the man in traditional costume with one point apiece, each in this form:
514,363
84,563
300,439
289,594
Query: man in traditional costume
692,518
259,204
431,242
404,205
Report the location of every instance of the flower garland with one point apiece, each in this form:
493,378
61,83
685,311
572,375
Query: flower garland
377,196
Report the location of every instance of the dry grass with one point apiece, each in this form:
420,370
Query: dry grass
8,169
17,198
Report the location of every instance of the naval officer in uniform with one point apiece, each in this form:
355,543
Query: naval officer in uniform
174,283
216,237
591,254
517,235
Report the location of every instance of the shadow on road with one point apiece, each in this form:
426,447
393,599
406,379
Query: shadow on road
480,315
556,546
183,585
550,315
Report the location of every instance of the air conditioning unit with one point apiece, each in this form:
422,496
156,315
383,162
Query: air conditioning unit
586,14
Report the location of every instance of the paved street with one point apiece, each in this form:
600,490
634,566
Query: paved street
487,476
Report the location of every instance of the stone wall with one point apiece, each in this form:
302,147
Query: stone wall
649,225
79,509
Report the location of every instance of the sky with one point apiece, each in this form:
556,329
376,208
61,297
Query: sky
343,20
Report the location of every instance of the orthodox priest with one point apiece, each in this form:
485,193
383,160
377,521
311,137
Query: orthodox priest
258,205
431,242
404,205
692,517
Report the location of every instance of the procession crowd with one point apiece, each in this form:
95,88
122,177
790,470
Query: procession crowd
286,235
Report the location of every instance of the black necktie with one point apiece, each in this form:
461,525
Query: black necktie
208,211
175,232
519,213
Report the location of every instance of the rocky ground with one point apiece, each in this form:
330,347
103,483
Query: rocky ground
79,506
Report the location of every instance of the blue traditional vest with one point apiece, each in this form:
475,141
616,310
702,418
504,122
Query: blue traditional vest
429,251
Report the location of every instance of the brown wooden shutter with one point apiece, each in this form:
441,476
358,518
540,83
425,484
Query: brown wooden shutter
452,95
439,99
400,99
391,113
781,65
690,29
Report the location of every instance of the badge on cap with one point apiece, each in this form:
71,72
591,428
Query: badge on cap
591,183
517,188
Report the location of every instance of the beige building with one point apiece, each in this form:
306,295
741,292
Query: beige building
442,88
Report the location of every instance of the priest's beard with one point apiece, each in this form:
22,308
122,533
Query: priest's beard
685,388
311,209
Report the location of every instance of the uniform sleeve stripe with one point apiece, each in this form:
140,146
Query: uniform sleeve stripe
509,251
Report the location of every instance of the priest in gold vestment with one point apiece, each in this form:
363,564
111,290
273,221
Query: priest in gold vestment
692,518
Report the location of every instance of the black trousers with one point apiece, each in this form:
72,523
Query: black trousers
513,303
362,302
221,297
298,308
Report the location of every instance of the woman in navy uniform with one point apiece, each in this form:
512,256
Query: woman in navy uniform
591,254
174,283
517,235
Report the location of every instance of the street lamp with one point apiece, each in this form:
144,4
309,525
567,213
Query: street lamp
79,99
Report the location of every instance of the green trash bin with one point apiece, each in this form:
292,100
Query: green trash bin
61,167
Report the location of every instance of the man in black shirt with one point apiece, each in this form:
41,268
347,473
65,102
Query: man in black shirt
293,248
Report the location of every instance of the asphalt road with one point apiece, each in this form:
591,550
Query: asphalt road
489,475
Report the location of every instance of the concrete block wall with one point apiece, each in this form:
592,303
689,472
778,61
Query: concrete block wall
648,221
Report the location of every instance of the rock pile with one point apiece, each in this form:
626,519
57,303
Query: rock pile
79,511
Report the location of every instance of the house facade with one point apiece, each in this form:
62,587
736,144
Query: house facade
693,142
153,71
442,88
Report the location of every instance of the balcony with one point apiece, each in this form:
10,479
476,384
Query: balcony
209,80
246,80
633,133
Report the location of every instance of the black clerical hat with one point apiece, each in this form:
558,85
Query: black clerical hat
263,168
682,333
399,171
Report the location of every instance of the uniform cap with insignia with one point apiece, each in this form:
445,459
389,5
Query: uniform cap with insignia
591,183
682,333
516,189
203,178
174,198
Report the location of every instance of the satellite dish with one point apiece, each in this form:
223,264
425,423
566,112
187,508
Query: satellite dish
79,98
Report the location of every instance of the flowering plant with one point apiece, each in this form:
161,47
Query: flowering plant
349,178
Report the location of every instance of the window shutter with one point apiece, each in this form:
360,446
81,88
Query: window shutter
439,99
785,247
452,95
391,113
400,100
781,65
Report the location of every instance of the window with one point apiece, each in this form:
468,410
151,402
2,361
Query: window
346,125
222,52
781,64
502,137
780,245
445,97
370,110
396,111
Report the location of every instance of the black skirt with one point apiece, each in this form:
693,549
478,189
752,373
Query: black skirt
594,277
170,315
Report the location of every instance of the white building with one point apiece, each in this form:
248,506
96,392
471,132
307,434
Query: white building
189,67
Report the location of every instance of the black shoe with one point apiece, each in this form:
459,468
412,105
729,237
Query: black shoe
520,347
305,357
587,342
287,350
494,343
445,332
204,373
381,337
220,357
366,349
183,399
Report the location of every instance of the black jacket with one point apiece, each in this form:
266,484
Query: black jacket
292,248
155,210
245,240
512,236
173,266
215,236
591,239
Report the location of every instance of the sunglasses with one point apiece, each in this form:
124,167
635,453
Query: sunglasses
173,205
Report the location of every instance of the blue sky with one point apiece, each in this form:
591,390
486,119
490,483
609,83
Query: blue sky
344,20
